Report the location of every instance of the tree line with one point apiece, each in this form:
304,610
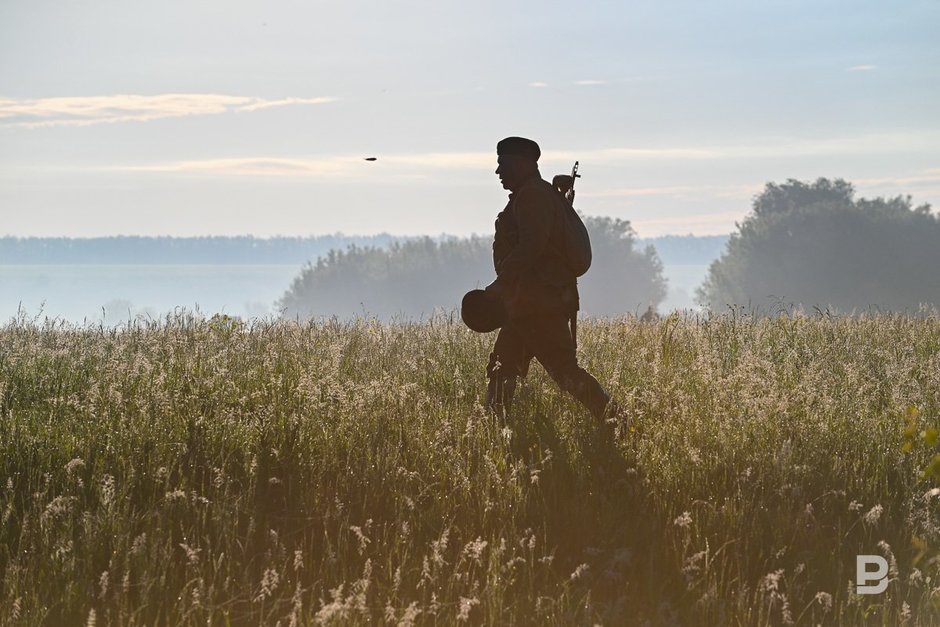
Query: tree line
804,244
815,245
414,278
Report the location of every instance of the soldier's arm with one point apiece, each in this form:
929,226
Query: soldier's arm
533,216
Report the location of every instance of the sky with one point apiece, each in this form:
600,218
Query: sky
230,117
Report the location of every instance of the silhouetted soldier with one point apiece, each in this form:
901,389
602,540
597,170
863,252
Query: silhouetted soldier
650,315
535,286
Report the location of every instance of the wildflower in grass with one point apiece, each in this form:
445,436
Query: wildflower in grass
693,566
855,506
137,546
825,601
873,515
218,477
269,582
579,572
363,539
192,554
410,615
892,562
297,606
335,610
683,520
534,476
103,585
465,605
58,507
107,490
74,466
438,547
785,614
771,581
474,549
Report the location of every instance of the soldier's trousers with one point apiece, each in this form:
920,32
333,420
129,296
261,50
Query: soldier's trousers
547,338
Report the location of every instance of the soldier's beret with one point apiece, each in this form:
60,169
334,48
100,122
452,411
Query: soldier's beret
482,313
520,147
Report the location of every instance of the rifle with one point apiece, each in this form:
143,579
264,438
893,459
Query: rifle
574,176
565,184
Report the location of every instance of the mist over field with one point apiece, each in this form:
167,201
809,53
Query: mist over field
111,279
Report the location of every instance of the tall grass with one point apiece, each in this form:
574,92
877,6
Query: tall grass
212,471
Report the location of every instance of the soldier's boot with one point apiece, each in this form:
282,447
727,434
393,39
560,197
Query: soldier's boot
499,393
584,387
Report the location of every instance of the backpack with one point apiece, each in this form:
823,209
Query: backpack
576,241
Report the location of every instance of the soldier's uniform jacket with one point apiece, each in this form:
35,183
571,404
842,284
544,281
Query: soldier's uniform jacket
528,253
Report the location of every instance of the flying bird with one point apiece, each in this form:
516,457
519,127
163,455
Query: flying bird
370,158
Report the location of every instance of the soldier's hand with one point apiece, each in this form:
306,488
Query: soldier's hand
494,290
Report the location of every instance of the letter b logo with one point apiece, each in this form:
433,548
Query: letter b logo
863,576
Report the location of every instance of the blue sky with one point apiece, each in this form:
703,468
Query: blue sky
236,117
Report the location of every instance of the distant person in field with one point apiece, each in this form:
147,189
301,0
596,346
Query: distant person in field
535,286
650,315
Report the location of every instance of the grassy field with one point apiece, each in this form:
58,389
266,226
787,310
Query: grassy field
213,472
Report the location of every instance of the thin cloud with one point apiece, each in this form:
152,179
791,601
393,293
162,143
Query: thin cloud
861,68
873,143
397,164
89,110
721,191
416,165
320,167
538,84
609,155
590,82
256,166
931,175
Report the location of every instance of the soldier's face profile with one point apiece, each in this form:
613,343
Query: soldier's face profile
512,170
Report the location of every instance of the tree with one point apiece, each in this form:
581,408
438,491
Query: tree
815,245
777,199
622,279
416,276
